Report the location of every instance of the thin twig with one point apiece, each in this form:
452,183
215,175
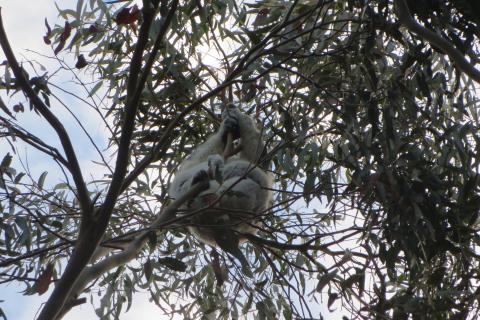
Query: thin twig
33,140
30,254
24,83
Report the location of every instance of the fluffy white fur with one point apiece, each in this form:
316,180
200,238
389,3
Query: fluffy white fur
238,186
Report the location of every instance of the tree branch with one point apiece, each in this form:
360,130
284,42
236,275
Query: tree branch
132,250
454,54
91,233
300,247
229,80
73,164
33,140
130,113
8,262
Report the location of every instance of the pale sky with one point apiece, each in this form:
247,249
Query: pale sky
24,24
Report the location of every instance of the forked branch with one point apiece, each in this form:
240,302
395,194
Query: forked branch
133,248
91,233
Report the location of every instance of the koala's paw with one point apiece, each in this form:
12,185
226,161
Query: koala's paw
215,167
231,123
201,177
215,162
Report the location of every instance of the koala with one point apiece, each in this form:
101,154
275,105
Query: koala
239,189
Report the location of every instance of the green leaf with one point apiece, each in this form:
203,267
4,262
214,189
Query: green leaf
325,279
57,224
173,264
95,88
147,268
246,307
41,180
19,177
79,9
7,160
309,182
61,185
332,297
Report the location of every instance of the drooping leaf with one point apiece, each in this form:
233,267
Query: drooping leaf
41,179
67,30
148,268
173,264
48,35
44,280
81,62
6,161
217,269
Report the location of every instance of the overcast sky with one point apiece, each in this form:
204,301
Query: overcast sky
24,24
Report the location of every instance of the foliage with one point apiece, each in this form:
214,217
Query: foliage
372,131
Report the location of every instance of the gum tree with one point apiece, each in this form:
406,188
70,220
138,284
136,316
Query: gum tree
371,120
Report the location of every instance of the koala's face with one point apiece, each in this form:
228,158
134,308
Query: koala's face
229,109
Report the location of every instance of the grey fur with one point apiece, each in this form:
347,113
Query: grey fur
243,188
